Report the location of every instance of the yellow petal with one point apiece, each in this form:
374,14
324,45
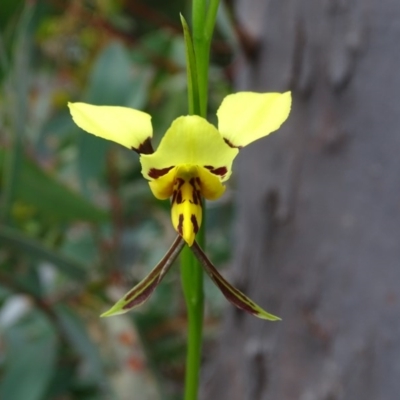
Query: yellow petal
126,126
163,186
211,187
190,140
186,207
246,116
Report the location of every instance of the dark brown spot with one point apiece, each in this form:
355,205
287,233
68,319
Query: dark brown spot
179,197
195,224
180,224
156,173
230,144
145,147
194,196
221,171
174,194
197,197
198,180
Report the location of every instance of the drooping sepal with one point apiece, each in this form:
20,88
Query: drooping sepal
233,295
144,289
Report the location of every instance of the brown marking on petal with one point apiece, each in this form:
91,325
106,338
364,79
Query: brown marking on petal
179,197
174,194
197,197
151,277
145,148
142,291
195,183
157,173
180,182
194,197
138,288
195,224
220,171
180,224
230,144
138,300
235,296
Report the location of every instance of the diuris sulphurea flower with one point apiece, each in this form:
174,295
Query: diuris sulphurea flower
192,162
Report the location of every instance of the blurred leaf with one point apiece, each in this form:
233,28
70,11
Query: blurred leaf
51,198
82,246
31,355
33,248
112,82
9,9
155,42
111,77
227,28
174,104
77,335
57,128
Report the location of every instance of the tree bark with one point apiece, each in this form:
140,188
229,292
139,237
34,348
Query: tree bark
318,209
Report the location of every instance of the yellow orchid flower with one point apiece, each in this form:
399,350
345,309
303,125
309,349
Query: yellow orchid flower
194,158
192,162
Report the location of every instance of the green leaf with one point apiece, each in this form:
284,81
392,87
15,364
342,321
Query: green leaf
33,248
233,295
193,89
8,10
46,195
76,333
144,289
111,77
31,355
111,82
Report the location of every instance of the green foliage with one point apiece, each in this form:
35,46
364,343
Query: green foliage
31,352
38,192
78,224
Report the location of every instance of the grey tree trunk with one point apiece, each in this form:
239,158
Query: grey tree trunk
318,220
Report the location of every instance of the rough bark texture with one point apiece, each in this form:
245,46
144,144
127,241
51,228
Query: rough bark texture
318,231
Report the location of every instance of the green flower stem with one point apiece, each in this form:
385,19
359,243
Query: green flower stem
192,283
203,28
198,55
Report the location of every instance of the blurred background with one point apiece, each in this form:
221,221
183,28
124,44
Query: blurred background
309,225
79,225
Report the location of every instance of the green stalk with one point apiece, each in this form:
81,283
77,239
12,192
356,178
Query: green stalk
192,283
197,58
203,28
